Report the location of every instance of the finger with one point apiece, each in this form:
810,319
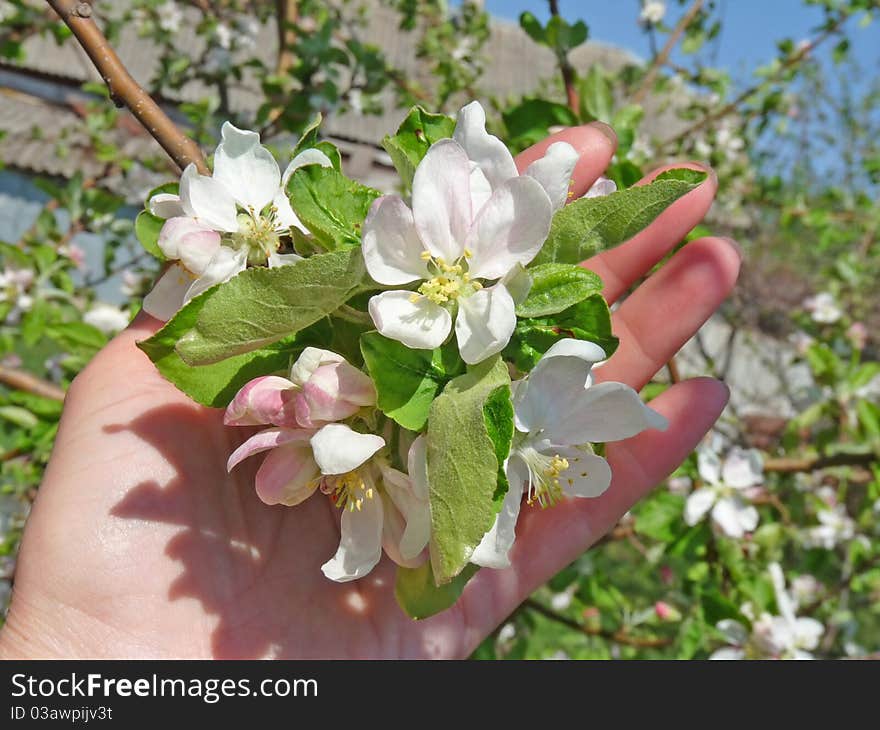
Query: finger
594,142
664,313
548,540
622,266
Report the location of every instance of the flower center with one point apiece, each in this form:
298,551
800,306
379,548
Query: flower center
256,233
349,490
449,281
544,473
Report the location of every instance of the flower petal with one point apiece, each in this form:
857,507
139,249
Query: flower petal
415,512
602,187
587,475
284,216
391,246
225,264
492,552
288,475
441,201
489,152
264,440
734,516
419,324
554,171
311,156
807,632
310,360
485,322
417,467
168,293
393,529
282,259
742,468
205,199
193,243
338,449
245,168
709,465
733,631
260,401
360,544
698,504
166,205
729,653
333,392
510,228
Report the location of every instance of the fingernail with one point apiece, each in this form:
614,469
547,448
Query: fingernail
606,130
735,245
713,176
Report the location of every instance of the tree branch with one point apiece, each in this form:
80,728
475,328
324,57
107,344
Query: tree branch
124,90
20,380
814,463
566,69
661,58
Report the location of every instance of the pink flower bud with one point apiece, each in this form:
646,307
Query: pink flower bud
334,391
858,333
265,400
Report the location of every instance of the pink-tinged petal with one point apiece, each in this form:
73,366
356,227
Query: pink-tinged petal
168,293
205,199
486,150
510,229
166,205
393,529
602,187
485,322
338,449
288,475
265,440
260,401
391,246
420,324
332,393
245,168
554,171
225,264
188,240
310,360
742,468
441,199
414,511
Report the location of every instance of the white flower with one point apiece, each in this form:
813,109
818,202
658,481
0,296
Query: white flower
836,528
170,17
506,633
558,410
602,187
823,308
652,12
107,318
219,225
801,342
680,485
805,589
723,492
14,286
7,10
223,34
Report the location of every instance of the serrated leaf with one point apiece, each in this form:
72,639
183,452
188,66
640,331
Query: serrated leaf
331,206
556,287
587,226
420,597
415,135
407,380
462,467
260,306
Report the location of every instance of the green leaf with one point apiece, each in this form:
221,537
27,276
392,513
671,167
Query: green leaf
260,306
415,135
331,206
147,226
588,320
660,516
597,98
498,415
531,25
529,121
420,597
556,287
77,337
590,225
462,467
407,381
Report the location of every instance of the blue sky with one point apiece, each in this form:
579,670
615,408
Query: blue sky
751,27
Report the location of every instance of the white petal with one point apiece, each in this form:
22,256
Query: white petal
415,511
807,632
310,156
419,324
393,529
186,239
554,171
338,449
166,205
441,200
360,544
602,187
734,516
225,264
245,168
548,392
207,200
698,503
284,216
168,293
709,465
728,652
282,259
391,246
489,152
492,552
742,468
603,412
486,320
733,631
310,360
510,229
417,467
589,352
481,188
587,475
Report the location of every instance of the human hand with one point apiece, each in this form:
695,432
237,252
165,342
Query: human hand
141,545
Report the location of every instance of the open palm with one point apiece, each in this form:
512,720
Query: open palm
141,545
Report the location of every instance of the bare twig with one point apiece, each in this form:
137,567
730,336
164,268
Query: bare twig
814,463
565,68
124,90
661,58
21,380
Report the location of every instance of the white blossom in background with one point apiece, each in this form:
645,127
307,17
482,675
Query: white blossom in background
562,600
805,589
823,308
15,285
7,10
170,16
835,528
680,485
219,225
784,636
801,342
223,35
75,253
653,12
725,491
559,410
132,283
506,633
107,318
